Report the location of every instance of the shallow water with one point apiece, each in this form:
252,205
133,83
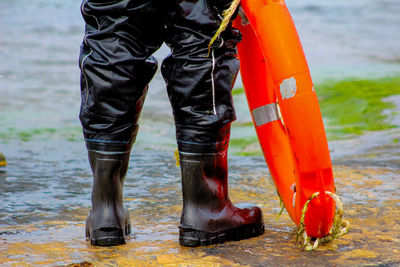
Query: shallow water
45,199
45,189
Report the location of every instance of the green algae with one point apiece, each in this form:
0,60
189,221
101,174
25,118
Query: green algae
238,91
243,124
245,146
350,107
354,106
25,135
29,134
243,142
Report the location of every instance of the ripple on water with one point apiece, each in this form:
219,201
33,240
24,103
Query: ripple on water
46,220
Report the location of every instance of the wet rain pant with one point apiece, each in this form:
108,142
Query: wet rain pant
116,66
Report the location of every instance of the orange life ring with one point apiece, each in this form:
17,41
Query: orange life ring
274,70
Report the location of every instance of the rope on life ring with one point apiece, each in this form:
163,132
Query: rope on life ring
339,227
226,18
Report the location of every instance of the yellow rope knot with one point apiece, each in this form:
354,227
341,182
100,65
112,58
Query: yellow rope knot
227,15
339,227
3,161
176,157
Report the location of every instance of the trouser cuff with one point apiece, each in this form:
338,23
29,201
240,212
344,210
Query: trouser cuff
202,140
108,146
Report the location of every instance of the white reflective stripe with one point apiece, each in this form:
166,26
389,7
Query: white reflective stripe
265,114
213,83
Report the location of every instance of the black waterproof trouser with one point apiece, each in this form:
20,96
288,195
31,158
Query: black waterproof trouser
116,66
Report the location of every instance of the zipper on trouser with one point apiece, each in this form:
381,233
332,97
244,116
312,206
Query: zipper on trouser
214,108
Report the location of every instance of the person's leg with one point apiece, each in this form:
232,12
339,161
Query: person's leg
199,88
116,67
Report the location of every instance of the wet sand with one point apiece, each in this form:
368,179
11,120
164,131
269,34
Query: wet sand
43,218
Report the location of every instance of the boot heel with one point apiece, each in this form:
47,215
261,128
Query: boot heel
107,237
195,238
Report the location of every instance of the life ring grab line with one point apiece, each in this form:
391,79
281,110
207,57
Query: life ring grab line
339,226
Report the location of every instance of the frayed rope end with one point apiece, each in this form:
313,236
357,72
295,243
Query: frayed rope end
227,15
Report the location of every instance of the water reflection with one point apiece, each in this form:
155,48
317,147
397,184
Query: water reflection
45,199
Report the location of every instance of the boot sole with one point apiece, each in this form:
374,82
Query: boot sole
107,237
195,238
108,241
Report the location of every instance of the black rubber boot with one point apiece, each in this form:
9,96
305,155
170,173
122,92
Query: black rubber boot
208,215
108,222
